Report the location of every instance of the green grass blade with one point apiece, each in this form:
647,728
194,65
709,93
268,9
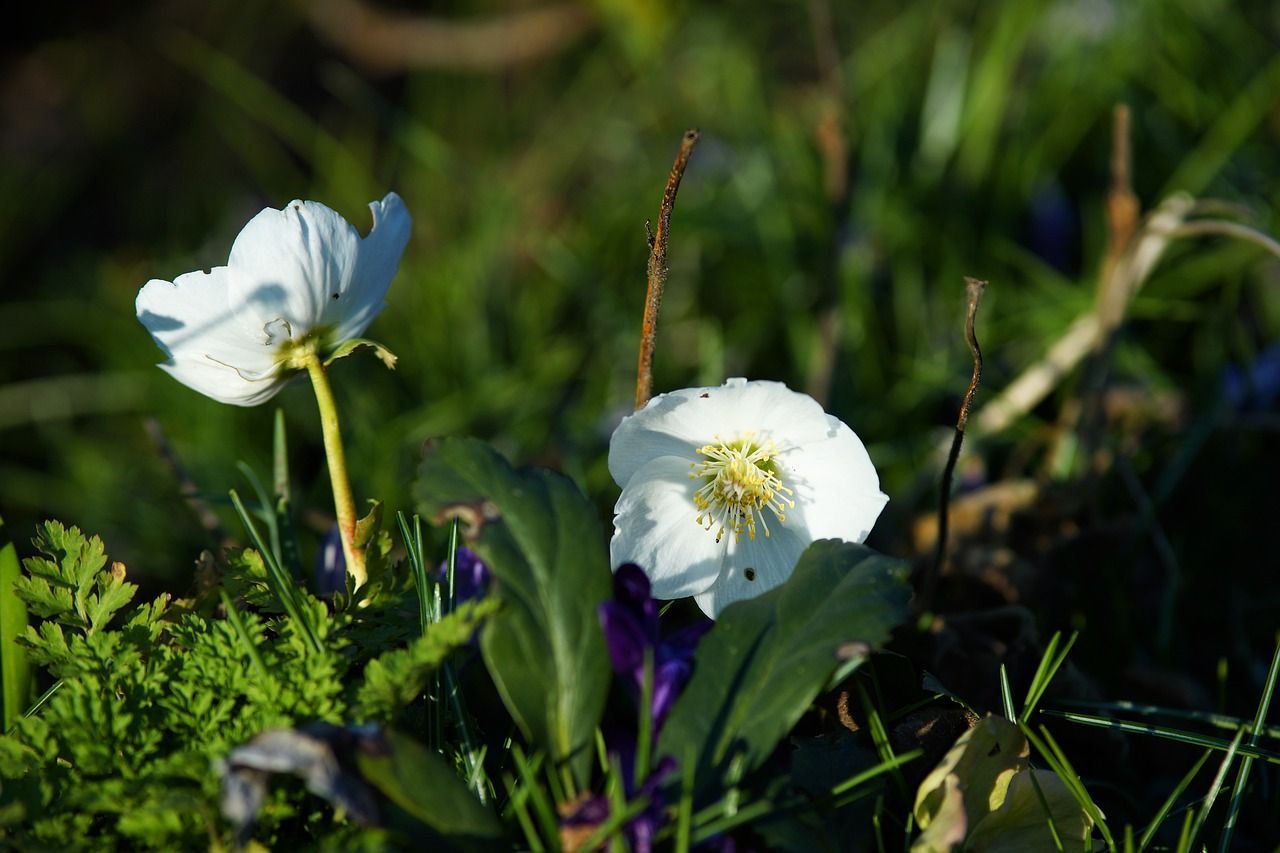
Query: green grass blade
290,554
684,810
1163,813
1246,764
1058,762
1044,804
1050,663
1216,788
516,802
1168,734
266,512
233,616
543,811
412,537
1006,696
281,584
15,669
1209,718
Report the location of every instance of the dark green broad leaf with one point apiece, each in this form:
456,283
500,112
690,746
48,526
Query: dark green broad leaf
543,541
767,658
424,785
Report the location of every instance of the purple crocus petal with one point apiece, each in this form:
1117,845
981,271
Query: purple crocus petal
470,575
592,812
631,589
684,643
626,640
331,564
669,678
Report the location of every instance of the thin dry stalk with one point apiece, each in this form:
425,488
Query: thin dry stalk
658,269
974,288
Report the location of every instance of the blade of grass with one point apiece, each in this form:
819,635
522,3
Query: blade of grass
1246,763
290,554
516,798
880,736
281,583
644,737
233,616
1044,804
543,811
43,698
684,810
1168,734
1058,762
1006,696
15,669
1215,788
453,561
1220,721
1161,815
412,537
265,512
1050,663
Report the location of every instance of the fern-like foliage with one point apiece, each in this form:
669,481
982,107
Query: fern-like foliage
396,678
143,704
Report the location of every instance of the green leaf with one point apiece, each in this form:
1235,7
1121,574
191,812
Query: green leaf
544,543
980,765
766,659
396,678
384,355
15,670
985,795
61,580
420,782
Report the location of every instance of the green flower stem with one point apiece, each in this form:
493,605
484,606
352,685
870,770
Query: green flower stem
344,504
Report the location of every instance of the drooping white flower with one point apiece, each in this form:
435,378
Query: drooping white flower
724,487
297,278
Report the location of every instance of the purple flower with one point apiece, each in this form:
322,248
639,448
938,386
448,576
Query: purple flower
641,829
331,564
631,628
470,576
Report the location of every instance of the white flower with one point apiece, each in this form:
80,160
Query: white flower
298,279
724,487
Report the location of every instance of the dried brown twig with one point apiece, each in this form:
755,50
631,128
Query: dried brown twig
658,269
974,288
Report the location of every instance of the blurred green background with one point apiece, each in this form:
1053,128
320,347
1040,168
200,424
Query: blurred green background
856,161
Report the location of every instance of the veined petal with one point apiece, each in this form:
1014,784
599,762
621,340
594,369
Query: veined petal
222,383
191,319
376,265
755,566
679,422
290,265
837,490
655,527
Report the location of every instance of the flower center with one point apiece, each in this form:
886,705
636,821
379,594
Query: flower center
740,481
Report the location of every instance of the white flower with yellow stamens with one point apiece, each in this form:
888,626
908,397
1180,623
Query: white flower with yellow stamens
723,488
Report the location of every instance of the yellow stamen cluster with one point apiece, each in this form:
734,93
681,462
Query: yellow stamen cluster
740,481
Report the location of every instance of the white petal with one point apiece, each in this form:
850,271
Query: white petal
655,527
376,266
837,490
190,318
678,423
289,265
223,383
755,566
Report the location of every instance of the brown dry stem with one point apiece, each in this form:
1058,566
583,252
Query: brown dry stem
658,269
974,288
